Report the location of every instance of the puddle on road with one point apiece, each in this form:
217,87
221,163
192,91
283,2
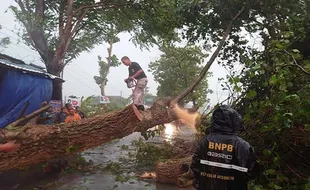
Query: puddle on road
111,152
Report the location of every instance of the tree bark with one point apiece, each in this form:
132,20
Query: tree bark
57,85
174,171
57,90
42,143
102,88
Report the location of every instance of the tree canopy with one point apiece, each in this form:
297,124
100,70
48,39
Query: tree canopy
272,78
176,69
61,30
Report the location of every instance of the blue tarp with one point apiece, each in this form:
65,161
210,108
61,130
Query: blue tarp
16,88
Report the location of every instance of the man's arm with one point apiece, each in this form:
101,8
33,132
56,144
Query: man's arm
247,158
137,67
137,74
252,165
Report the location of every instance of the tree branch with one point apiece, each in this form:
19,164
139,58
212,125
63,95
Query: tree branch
100,4
74,31
69,17
208,65
40,8
61,20
34,31
296,63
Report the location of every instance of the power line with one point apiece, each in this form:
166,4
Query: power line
11,30
8,7
82,82
17,44
84,72
78,79
87,76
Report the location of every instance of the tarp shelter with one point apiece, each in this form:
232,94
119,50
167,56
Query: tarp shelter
21,83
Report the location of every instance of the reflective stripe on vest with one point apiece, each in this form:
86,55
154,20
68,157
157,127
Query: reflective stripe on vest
221,165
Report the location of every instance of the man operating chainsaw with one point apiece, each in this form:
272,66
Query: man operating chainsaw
137,74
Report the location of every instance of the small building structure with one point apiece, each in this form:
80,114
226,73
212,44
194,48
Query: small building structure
22,87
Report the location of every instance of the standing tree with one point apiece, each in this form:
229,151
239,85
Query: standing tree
112,61
176,69
60,30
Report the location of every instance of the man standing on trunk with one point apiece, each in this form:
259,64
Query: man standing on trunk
136,73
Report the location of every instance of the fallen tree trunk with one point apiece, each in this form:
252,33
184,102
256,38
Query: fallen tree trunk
42,143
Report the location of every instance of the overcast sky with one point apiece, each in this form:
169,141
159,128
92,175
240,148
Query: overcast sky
79,74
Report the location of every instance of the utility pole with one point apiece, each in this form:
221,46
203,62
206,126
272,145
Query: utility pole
122,97
62,85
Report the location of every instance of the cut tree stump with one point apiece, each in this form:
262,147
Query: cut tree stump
41,143
175,171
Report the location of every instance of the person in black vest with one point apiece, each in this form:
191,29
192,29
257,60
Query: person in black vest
136,73
222,160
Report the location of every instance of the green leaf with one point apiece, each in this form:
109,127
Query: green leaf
292,97
276,161
288,114
273,79
288,123
266,152
280,46
277,187
295,51
256,67
257,187
251,94
270,172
